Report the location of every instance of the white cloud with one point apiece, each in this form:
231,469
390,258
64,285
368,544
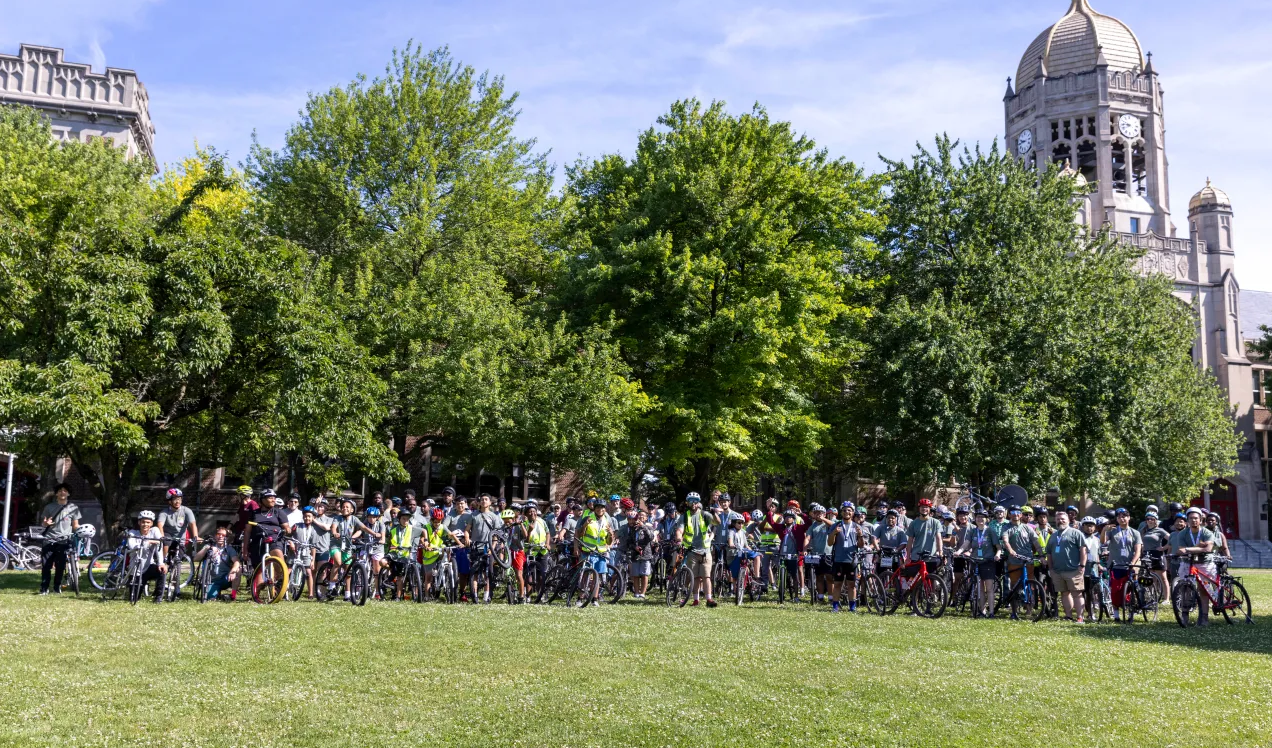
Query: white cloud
81,27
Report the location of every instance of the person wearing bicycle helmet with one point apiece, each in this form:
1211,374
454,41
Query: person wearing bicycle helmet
224,565
247,507
924,535
694,536
148,541
634,546
378,527
432,543
981,547
534,535
1156,546
1222,551
400,541
177,523
266,530
957,537
1125,548
845,540
60,519
592,541
1020,545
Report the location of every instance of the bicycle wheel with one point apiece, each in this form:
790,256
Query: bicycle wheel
322,589
297,581
1184,604
618,585
672,594
1234,602
930,597
1149,602
741,585
1130,602
135,589
579,593
659,576
270,583
892,596
781,585
99,567
73,573
874,593
500,554
684,586
358,585
810,575
415,583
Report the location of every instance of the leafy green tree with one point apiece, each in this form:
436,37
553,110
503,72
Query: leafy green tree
433,218
1009,345
722,254
150,325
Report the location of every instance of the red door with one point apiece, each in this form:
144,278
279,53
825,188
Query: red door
1223,501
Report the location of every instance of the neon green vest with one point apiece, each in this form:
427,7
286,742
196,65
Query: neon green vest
434,536
692,528
538,537
593,537
399,540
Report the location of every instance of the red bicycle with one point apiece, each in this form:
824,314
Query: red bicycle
1221,591
926,593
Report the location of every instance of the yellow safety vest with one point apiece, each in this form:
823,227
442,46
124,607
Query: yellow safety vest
538,537
399,540
593,537
692,529
434,536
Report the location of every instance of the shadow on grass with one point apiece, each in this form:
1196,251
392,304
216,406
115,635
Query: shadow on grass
1253,638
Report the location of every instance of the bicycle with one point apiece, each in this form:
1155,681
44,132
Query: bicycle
106,568
680,586
1233,597
298,570
355,572
746,585
1026,594
1133,594
18,555
1226,596
179,561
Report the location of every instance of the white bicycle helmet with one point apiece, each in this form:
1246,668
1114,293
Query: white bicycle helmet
146,514
757,515
86,531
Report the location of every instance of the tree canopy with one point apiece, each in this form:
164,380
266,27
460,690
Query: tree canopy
721,256
1008,344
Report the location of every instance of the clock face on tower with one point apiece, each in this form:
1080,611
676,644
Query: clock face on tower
1024,143
1129,126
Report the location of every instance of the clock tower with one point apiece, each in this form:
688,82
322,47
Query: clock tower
1085,95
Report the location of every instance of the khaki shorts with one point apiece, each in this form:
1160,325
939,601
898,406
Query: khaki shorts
699,565
1067,581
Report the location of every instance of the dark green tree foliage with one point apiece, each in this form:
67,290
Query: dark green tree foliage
149,325
433,218
720,253
1008,345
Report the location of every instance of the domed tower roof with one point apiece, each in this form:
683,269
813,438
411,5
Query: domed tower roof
1209,196
1074,45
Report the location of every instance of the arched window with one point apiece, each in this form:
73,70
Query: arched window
1086,165
1119,166
1232,300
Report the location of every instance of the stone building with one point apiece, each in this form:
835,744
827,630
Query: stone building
80,104
1086,95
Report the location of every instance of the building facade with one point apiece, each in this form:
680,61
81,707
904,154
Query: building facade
81,105
1086,96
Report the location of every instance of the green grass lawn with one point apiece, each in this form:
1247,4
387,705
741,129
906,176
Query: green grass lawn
82,672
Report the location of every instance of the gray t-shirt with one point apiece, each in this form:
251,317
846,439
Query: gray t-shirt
892,537
1122,545
818,539
480,526
703,530
62,517
923,535
1155,539
726,521
1021,537
1186,538
982,543
1064,549
322,534
174,523
846,536
1092,542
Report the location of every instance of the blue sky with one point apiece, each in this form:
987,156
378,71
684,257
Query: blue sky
861,77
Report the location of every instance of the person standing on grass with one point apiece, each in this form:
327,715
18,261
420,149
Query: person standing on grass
592,540
60,519
1067,553
958,536
694,534
924,535
1020,543
1125,548
817,546
1221,541
1196,540
981,546
1156,546
846,540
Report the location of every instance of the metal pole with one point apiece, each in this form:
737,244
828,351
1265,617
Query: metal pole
8,495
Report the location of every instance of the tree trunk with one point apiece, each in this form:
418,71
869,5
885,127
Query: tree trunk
111,480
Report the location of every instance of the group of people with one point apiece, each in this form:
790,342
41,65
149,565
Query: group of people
600,533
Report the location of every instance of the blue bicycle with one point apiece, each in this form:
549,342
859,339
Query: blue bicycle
1027,597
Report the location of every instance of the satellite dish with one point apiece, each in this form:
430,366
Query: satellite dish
1013,496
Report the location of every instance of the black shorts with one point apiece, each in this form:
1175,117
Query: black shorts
844,570
1156,562
960,565
987,570
259,546
397,565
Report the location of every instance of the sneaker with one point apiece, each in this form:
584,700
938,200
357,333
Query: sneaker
596,603
42,592
711,603
693,604
852,607
347,597
834,607
1015,617
1079,620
